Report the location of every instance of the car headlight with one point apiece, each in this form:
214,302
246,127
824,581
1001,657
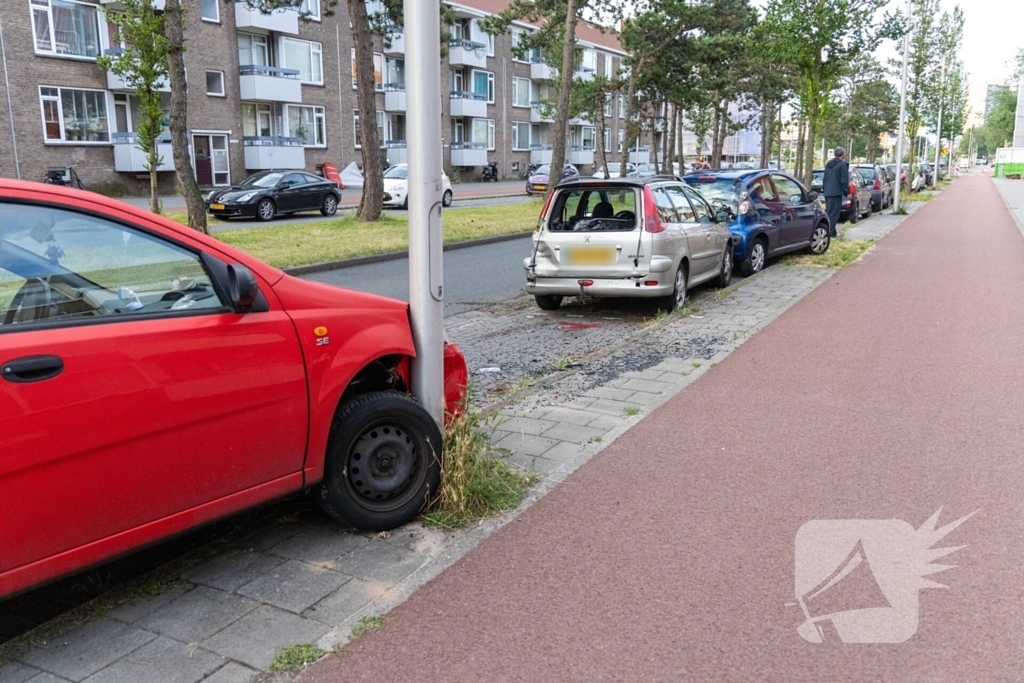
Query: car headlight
246,197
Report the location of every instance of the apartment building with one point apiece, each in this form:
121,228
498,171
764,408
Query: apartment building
276,91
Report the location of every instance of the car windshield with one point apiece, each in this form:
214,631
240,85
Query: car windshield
543,170
397,172
594,209
719,192
262,180
818,178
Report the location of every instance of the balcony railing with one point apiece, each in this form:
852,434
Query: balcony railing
469,154
269,83
541,112
394,97
541,154
129,157
584,73
395,45
467,103
396,151
540,71
463,52
581,155
284,20
274,152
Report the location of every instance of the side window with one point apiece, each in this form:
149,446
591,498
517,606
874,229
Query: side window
700,207
682,205
294,180
666,211
789,188
764,189
60,265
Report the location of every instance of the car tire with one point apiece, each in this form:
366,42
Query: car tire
754,263
265,210
446,198
870,209
677,299
330,205
548,302
383,462
725,274
820,240
855,212
405,204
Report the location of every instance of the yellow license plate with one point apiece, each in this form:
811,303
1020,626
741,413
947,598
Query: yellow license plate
541,188
217,207
590,256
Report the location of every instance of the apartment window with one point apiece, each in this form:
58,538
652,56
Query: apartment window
310,9
209,10
396,72
458,131
257,119
253,50
520,136
517,39
483,84
608,67
378,71
396,127
589,61
587,137
215,83
358,135
483,131
621,136
622,106
74,115
305,56
308,123
607,104
607,140
67,29
458,84
520,92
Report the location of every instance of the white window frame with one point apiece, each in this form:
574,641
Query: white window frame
216,6
607,105
517,138
379,66
609,65
315,49
593,136
319,114
517,34
60,116
517,85
490,83
489,135
47,6
622,136
255,40
223,84
622,106
259,110
310,9
607,140
381,123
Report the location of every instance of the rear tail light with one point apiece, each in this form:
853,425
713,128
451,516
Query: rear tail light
652,221
651,283
544,211
585,283
878,184
853,189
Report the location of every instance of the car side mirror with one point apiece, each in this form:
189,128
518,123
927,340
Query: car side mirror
722,215
242,287
812,195
796,199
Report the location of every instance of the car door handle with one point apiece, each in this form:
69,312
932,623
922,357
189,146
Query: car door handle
31,369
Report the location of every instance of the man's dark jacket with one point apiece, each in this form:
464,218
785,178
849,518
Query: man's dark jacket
837,178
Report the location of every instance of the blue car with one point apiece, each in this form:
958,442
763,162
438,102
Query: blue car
770,213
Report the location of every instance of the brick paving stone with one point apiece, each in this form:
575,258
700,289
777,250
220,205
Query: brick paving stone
647,385
294,586
272,535
132,611
571,433
16,672
381,562
198,614
320,545
232,672
87,648
255,638
530,463
563,452
525,444
605,423
46,678
571,415
162,658
617,408
233,569
609,393
342,604
526,425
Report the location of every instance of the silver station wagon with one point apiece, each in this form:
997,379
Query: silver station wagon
627,237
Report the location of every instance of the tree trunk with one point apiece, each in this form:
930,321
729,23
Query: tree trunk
370,204
599,128
194,203
673,141
628,136
564,91
766,132
154,163
798,171
812,131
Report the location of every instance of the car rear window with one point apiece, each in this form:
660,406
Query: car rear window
719,193
594,209
867,173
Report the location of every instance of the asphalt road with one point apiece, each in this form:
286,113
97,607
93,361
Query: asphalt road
473,277
889,392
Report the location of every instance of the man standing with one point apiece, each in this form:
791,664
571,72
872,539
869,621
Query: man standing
836,185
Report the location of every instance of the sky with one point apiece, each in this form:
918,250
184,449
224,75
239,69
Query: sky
993,33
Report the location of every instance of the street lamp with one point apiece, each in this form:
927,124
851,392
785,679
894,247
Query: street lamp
903,113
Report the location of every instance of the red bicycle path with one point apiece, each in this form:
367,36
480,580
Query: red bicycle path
896,387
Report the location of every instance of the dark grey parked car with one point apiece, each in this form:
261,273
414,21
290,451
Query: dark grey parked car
877,182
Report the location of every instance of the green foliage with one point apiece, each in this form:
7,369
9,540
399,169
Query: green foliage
289,658
367,624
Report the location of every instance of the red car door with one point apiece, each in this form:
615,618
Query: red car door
133,399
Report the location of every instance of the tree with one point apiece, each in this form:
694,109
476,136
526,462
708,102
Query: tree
372,202
142,65
174,27
587,101
921,73
820,38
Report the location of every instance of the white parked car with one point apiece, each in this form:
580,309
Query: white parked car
396,187
613,170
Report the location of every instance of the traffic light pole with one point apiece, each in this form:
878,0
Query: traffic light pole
423,130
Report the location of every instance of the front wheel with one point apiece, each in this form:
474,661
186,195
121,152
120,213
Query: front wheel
330,205
820,240
446,199
548,302
754,263
383,462
725,275
265,210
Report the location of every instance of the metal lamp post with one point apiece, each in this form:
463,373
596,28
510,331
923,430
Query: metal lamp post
903,113
426,275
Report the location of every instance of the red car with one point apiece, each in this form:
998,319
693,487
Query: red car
153,379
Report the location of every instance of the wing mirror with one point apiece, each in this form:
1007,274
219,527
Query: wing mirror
812,195
722,215
242,287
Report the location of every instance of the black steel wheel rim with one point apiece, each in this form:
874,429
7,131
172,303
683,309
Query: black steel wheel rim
384,469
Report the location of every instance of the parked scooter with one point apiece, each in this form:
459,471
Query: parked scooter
491,172
528,170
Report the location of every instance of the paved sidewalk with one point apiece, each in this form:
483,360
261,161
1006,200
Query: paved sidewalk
305,581
890,391
1012,192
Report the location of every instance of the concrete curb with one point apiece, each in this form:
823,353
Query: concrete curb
394,255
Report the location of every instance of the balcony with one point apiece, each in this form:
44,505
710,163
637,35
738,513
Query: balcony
266,153
541,154
540,113
580,120
269,84
539,71
129,157
396,152
115,5
462,52
471,104
394,97
469,154
395,45
640,155
584,73
280,20
116,83
581,155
